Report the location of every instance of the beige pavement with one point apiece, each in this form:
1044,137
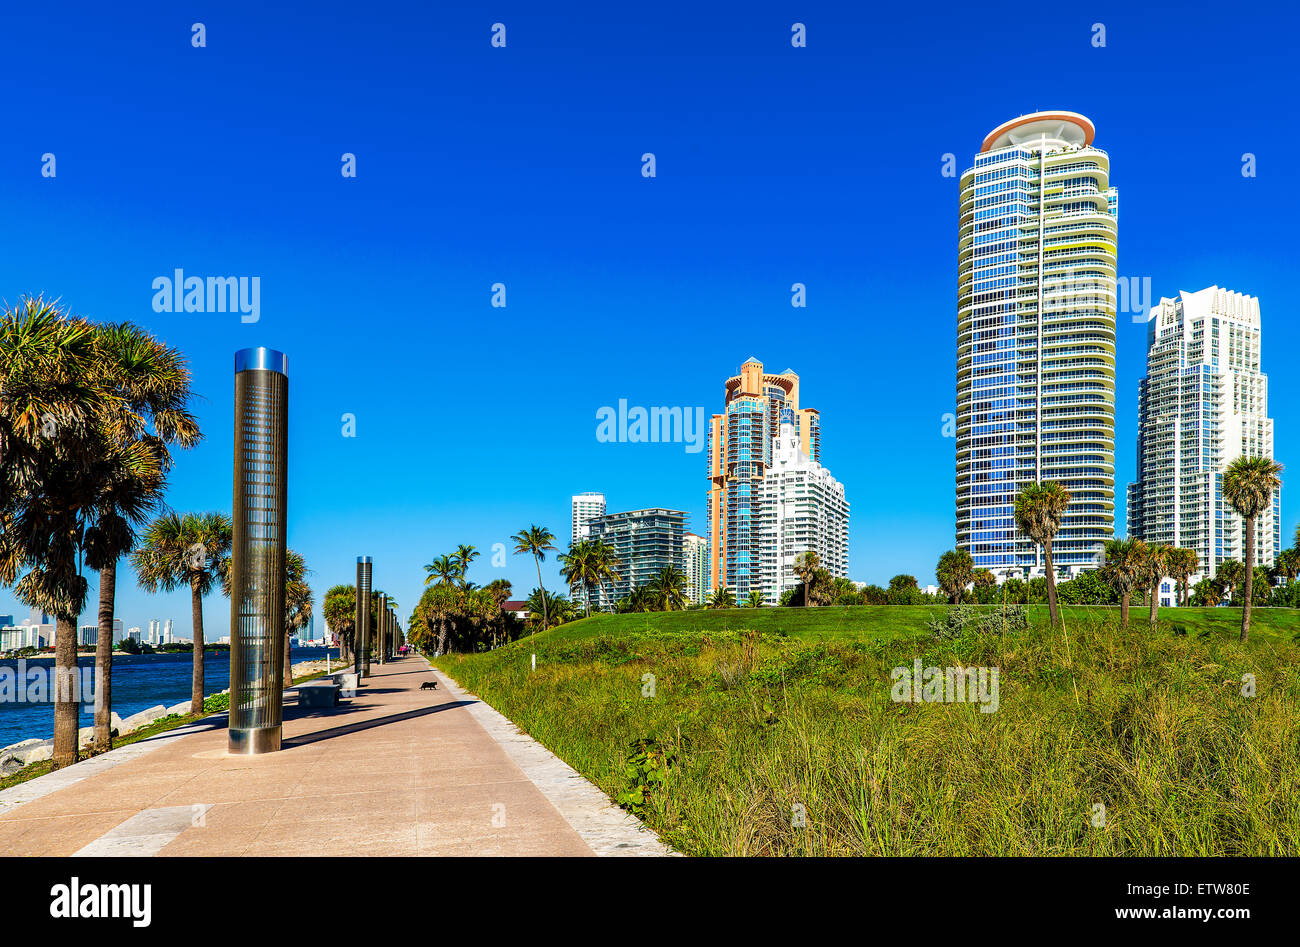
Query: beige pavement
393,771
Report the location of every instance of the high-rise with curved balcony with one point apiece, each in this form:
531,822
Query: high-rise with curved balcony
1036,341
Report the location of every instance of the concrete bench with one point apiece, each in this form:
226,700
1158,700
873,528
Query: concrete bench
347,680
318,694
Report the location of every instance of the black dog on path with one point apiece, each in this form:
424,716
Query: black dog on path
429,686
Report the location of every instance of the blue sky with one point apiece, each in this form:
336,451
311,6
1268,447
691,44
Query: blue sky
521,165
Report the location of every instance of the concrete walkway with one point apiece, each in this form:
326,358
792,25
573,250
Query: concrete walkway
392,771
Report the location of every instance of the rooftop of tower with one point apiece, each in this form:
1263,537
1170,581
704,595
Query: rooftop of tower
1070,127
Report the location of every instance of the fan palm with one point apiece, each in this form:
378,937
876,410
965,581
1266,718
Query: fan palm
1038,511
1182,564
755,599
578,567
1123,570
536,541
805,567
1248,486
1155,566
191,549
340,613
297,604
955,571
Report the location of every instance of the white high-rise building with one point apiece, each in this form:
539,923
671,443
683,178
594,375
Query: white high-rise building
801,507
153,631
1203,404
167,632
695,556
586,507
1036,302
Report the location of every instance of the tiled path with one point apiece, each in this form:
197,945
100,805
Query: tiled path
393,771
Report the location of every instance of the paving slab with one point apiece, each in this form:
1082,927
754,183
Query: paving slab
391,771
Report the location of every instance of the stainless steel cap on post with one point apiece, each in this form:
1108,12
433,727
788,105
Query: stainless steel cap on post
362,559
261,359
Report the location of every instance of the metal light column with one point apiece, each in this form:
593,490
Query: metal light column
257,639
361,630
383,616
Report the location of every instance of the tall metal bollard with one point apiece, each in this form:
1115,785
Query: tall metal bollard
257,638
361,632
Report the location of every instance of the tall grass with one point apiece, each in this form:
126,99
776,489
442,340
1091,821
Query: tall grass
765,730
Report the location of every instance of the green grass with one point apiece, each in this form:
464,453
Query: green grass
856,622
1151,724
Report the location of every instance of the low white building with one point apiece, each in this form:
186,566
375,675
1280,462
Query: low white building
801,507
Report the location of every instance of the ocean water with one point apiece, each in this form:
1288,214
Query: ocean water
140,681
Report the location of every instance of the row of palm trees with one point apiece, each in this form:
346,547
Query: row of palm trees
1131,564
89,416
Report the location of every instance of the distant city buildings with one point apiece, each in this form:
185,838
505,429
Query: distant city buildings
1036,341
645,542
695,563
801,508
1203,404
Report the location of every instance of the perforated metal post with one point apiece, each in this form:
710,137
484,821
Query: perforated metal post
383,627
257,557
361,633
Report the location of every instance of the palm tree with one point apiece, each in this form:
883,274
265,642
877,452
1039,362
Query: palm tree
340,613
463,556
154,379
444,569
1182,564
84,430
1248,485
755,599
1155,565
297,604
536,541
955,571
1288,564
1123,570
1038,511
1231,573
669,588
722,598
805,567
578,567
605,563
191,549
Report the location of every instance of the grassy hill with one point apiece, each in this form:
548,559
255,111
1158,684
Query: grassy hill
888,622
777,731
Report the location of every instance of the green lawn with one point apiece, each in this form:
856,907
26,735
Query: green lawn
775,731
858,622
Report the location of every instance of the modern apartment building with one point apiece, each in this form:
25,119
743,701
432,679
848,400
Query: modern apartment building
695,559
740,452
1203,404
644,542
1036,341
586,507
801,508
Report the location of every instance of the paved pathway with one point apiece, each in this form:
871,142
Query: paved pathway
392,771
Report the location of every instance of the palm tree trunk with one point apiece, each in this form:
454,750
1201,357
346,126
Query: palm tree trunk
546,619
1051,585
288,662
196,619
104,659
1123,610
66,693
1155,599
1250,577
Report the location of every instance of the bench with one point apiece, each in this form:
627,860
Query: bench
318,694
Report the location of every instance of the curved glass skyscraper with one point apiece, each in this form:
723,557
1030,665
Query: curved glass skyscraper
1036,340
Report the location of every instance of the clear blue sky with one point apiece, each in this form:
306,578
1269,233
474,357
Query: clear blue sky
522,165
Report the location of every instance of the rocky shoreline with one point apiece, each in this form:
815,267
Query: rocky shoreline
25,752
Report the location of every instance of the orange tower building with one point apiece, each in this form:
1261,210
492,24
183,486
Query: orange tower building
740,453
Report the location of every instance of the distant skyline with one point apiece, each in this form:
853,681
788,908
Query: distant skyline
522,166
